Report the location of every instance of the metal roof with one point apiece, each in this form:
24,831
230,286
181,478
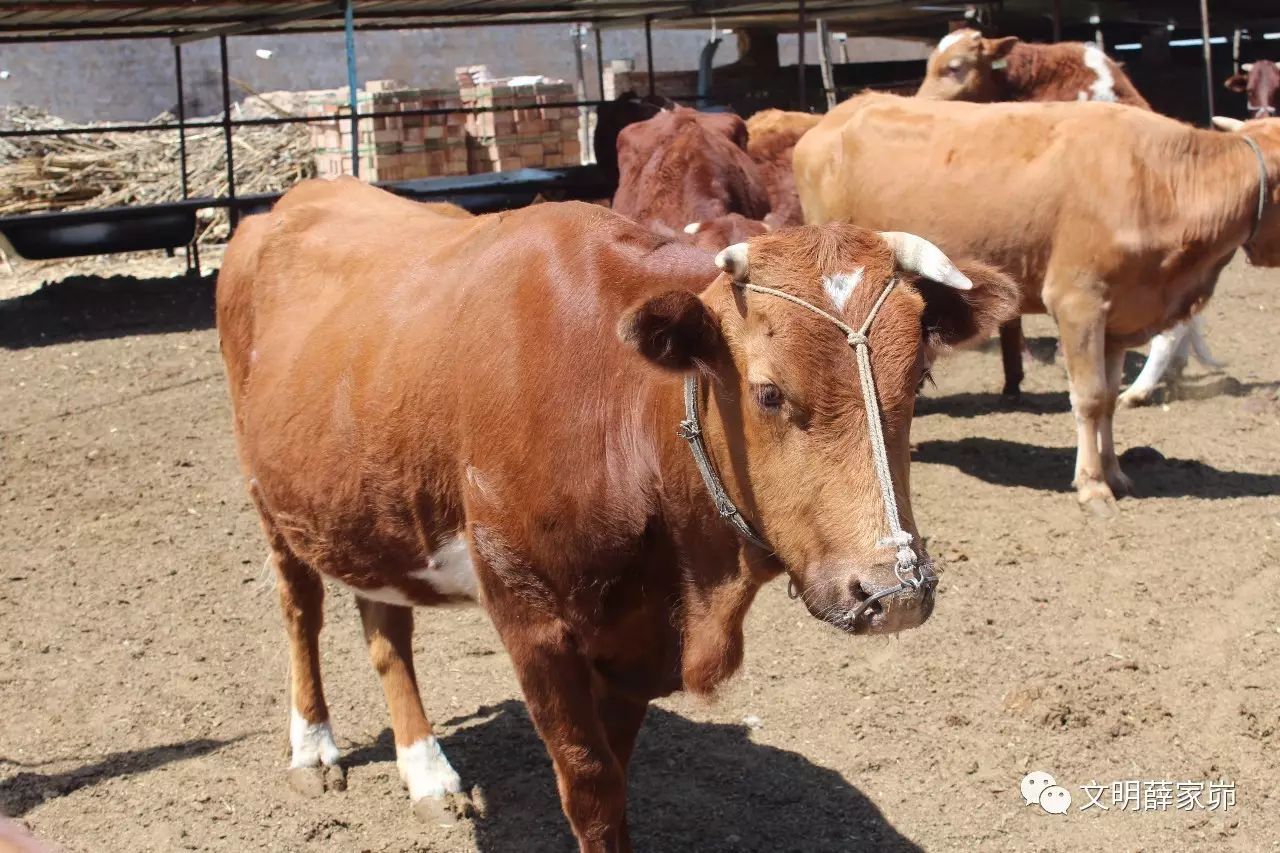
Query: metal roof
46,20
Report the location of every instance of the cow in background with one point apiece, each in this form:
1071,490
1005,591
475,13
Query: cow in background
1116,221
771,140
683,166
1261,82
612,117
715,234
967,67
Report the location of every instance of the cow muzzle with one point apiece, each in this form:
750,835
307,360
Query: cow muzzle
879,600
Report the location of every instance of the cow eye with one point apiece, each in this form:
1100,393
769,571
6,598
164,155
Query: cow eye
768,395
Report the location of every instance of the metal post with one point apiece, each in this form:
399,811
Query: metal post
349,26
1235,50
1057,20
1208,53
800,34
193,254
824,63
579,32
648,50
226,131
599,61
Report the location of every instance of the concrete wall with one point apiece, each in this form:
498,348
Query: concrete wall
133,80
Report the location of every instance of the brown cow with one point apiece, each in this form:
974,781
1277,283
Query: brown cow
771,140
967,67
715,234
1116,221
612,116
684,166
1261,82
430,409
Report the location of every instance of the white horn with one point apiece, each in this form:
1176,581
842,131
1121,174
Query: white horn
733,260
1230,125
918,255
693,228
1246,67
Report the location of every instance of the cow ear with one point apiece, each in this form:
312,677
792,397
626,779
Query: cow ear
675,331
1237,83
955,317
998,48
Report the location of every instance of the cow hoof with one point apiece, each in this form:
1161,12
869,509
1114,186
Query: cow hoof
1121,485
1011,396
1133,401
314,781
1096,497
444,811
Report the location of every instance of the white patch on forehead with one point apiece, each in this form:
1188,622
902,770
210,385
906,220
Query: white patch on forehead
449,570
1104,87
953,37
425,771
312,743
841,286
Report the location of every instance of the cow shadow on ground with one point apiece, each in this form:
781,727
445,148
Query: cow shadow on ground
27,789
1013,463
85,308
693,787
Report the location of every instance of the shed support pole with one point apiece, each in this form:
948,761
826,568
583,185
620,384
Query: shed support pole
353,101
1235,50
1208,54
824,62
648,50
1057,20
599,61
232,211
802,95
193,252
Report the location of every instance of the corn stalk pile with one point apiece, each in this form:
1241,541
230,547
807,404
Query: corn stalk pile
107,169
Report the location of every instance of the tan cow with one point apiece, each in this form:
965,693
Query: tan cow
967,67
503,408
771,141
1116,221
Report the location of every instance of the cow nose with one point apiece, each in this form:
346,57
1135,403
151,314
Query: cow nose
892,607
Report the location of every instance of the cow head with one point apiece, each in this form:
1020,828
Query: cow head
1261,82
1264,249
786,421
714,234
964,67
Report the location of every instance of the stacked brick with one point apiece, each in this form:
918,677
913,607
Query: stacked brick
405,147
620,76
518,125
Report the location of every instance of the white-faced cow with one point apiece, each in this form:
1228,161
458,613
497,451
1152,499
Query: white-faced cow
967,67
1116,221
1260,81
604,438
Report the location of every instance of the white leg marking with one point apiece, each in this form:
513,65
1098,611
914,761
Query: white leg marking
449,570
1164,347
841,286
1104,87
425,770
312,742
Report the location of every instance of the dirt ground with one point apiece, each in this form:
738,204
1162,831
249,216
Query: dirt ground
143,667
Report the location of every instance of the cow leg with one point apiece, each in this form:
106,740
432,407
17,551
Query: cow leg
431,780
1165,348
1012,343
1081,327
557,683
1120,483
1200,346
622,718
313,766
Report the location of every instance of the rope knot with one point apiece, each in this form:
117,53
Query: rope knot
857,339
688,430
